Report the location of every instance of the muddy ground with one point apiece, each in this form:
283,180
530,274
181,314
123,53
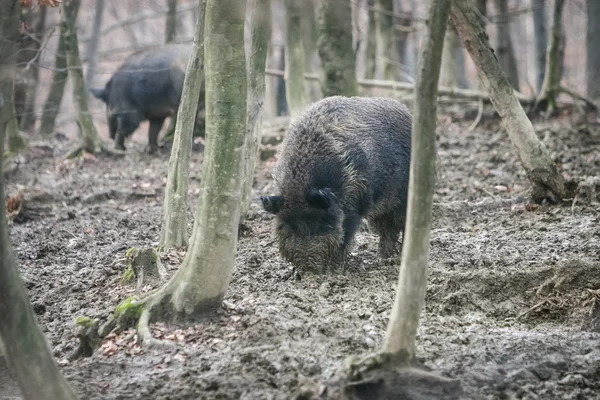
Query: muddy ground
512,307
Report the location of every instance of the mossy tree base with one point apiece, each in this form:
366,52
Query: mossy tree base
143,265
86,330
384,376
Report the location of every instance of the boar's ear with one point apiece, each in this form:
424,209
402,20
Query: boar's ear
320,198
272,204
101,94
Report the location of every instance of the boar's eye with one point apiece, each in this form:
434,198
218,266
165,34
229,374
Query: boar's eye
272,204
320,198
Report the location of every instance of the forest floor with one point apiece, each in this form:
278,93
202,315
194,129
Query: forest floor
512,307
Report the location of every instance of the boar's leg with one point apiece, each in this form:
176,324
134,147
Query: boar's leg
120,140
153,131
388,226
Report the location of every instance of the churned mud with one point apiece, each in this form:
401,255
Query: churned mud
512,308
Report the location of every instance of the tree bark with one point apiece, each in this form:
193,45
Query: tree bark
57,88
546,99
92,47
401,334
91,142
198,287
534,156
383,37
171,25
256,59
23,344
504,47
335,48
9,35
275,60
453,61
174,227
312,62
540,35
294,59
593,48
361,40
29,52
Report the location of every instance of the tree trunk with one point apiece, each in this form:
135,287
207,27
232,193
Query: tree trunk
199,285
383,37
401,334
294,59
174,227
92,48
256,59
275,59
504,47
57,88
171,26
593,48
546,99
335,48
9,35
453,61
91,141
534,156
23,344
481,6
361,29
29,49
540,35
403,40
312,63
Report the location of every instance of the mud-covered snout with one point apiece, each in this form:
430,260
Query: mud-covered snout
315,253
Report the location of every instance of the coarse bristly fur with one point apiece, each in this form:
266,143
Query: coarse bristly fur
343,159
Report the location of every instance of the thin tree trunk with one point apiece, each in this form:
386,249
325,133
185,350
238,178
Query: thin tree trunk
540,34
275,58
453,61
256,59
199,285
30,48
400,338
383,37
504,47
174,226
593,48
92,48
171,26
361,28
534,156
481,6
546,99
23,344
312,63
403,39
57,88
335,48
9,35
294,59
91,141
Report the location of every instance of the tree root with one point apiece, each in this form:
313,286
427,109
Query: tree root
83,152
383,376
86,330
144,264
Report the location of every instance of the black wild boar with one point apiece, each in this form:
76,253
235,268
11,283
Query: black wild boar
147,86
342,160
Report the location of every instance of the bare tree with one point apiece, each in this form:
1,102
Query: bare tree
541,171
34,22
171,26
540,35
91,141
9,34
383,37
335,48
546,99
199,285
294,59
453,61
504,47
92,46
360,37
174,227
256,59
593,48
57,88
275,85
312,62
400,339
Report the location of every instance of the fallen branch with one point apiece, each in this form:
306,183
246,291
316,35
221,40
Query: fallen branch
590,104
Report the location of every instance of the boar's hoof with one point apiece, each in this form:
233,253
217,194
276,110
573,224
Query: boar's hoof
151,149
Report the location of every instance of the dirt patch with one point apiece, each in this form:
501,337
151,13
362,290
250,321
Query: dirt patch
511,308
